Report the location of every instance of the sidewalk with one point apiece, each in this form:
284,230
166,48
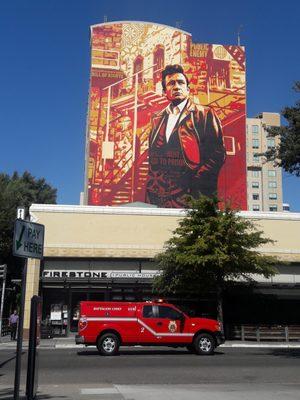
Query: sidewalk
69,343
208,391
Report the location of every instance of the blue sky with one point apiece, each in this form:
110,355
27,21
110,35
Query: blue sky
45,72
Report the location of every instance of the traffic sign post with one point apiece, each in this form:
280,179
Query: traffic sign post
34,341
28,242
20,335
3,269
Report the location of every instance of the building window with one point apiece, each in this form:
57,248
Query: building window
272,196
255,174
255,158
273,207
255,196
254,129
255,207
285,207
272,184
220,74
158,62
255,144
255,185
270,143
138,67
271,172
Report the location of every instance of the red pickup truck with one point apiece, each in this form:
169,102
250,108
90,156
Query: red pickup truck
111,324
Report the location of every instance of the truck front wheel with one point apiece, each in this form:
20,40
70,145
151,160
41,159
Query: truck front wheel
204,343
108,344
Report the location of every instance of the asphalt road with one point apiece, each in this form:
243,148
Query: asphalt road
173,373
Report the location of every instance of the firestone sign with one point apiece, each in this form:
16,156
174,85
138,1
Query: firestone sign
97,274
28,239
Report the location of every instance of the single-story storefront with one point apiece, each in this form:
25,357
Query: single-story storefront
107,253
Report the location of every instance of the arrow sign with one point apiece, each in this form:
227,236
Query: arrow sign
18,242
28,239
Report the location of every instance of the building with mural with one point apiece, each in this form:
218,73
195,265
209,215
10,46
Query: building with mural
128,107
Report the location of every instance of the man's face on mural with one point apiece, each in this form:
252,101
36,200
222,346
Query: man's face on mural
177,89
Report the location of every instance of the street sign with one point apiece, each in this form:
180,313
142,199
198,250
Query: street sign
28,239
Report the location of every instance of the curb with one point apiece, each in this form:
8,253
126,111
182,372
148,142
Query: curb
262,345
53,346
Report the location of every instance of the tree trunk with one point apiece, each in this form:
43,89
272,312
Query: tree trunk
220,307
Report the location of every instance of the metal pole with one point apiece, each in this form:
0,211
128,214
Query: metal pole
2,298
20,335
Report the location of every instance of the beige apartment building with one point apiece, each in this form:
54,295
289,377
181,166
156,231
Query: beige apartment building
264,181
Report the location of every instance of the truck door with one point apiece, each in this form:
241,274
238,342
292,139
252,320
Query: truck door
170,323
163,324
147,324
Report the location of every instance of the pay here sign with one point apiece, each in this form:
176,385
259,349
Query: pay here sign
28,239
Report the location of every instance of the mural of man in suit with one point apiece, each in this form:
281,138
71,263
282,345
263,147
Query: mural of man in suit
186,150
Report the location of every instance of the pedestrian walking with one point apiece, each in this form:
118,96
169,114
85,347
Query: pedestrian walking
13,323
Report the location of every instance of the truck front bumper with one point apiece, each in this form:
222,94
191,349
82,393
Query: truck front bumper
220,338
79,339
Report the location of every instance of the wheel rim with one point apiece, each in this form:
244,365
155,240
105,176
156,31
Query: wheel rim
108,345
205,344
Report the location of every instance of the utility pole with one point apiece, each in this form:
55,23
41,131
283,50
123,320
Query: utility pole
3,270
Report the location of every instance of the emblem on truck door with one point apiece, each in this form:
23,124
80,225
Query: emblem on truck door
172,326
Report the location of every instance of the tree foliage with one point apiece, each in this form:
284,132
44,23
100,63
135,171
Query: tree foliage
16,191
287,153
209,248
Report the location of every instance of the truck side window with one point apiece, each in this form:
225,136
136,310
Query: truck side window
168,312
147,312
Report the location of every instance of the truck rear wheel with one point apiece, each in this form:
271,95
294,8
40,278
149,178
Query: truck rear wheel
108,344
204,343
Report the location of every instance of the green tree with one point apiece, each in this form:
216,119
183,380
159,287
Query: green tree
18,191
209,249
287,153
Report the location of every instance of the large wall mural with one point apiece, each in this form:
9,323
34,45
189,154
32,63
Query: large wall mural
166,117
